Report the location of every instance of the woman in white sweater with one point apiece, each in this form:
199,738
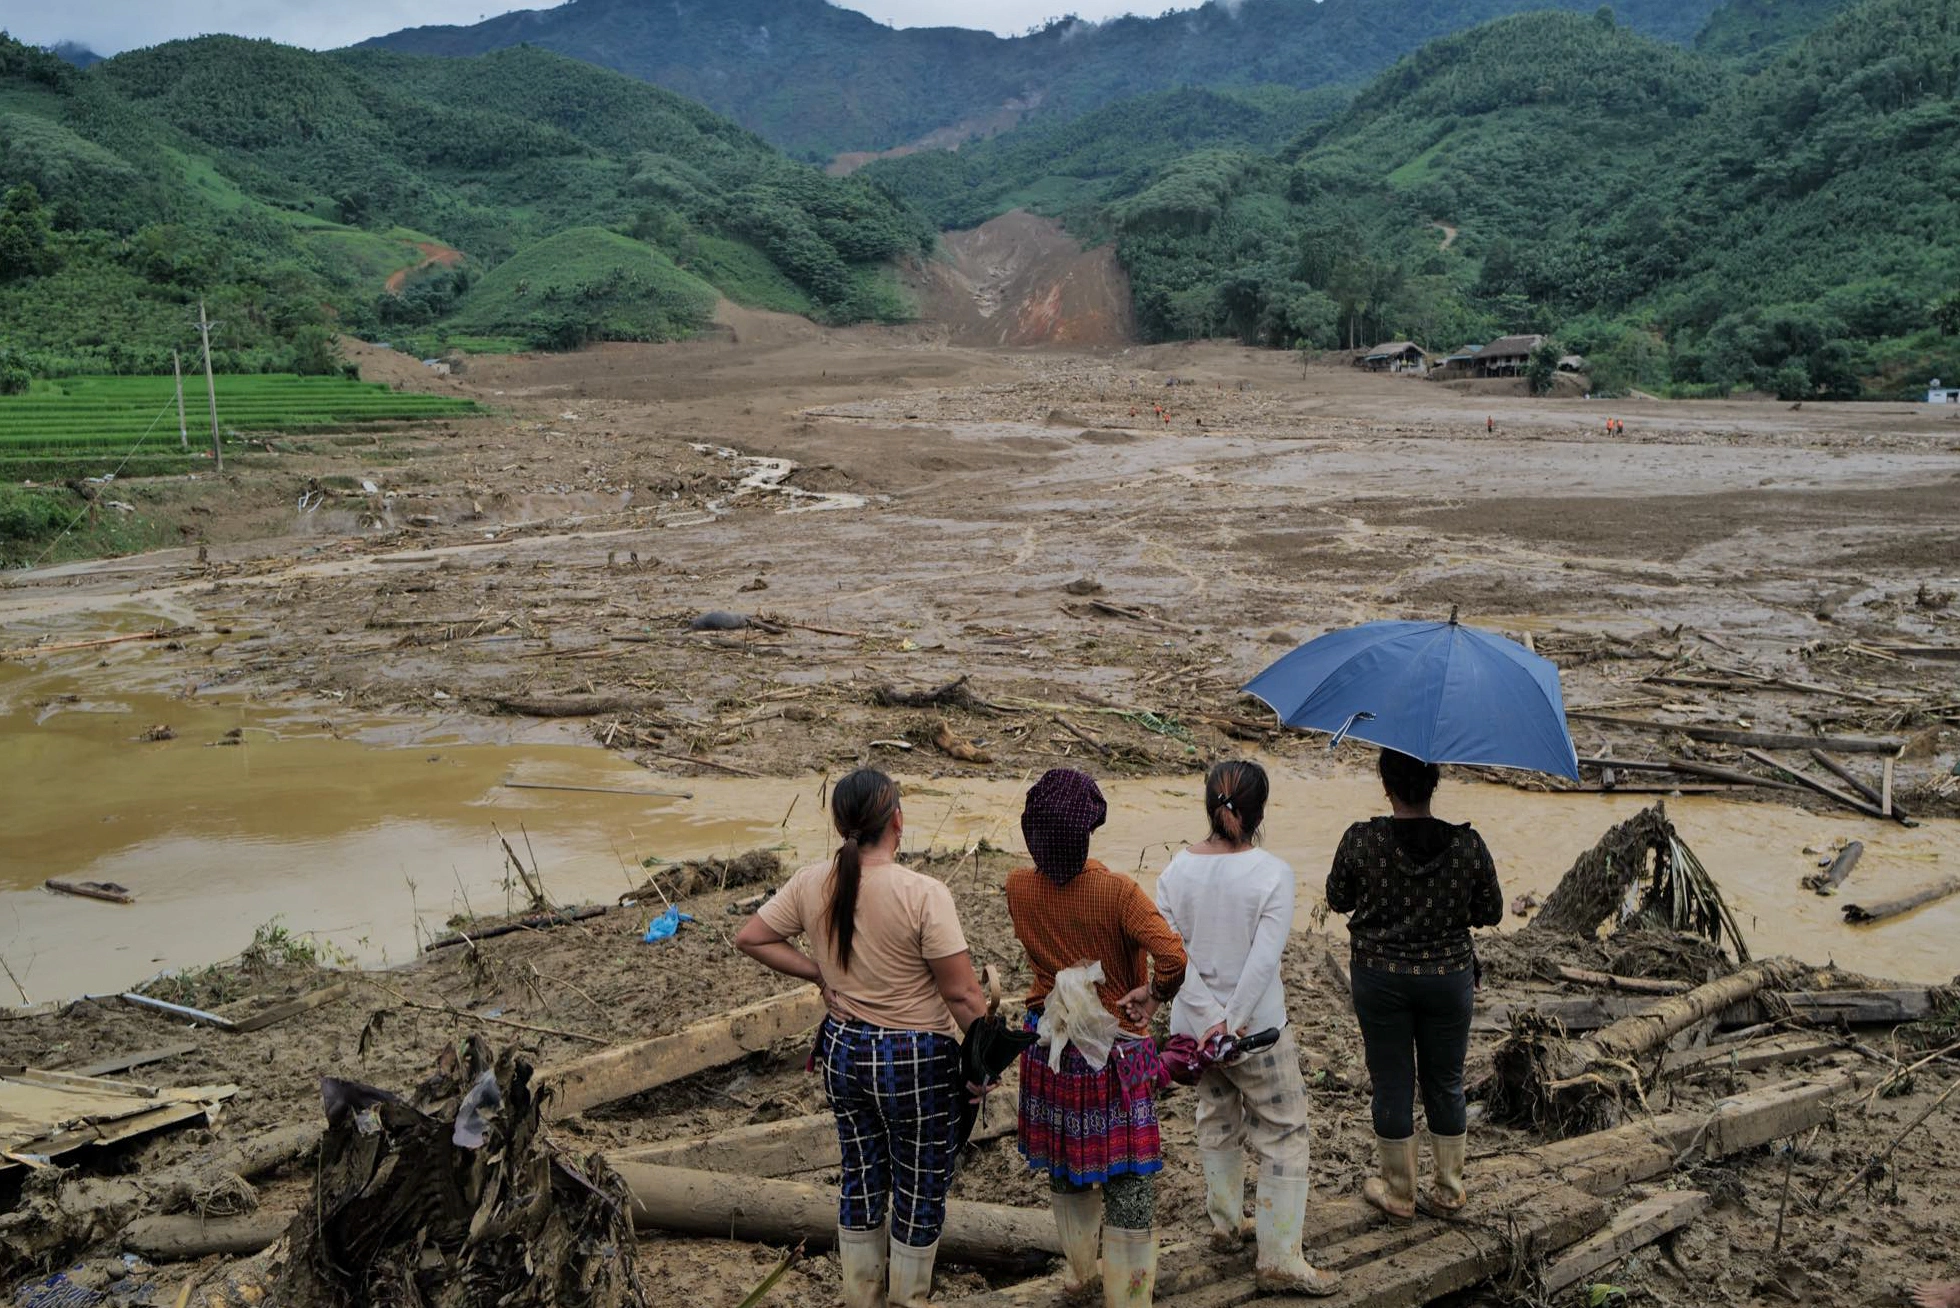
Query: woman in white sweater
1233,904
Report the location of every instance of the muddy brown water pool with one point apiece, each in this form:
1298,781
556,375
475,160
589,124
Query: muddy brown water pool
368,835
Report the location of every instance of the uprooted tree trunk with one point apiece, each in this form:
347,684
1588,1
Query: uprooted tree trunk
1560,1085
1647,854
467,1208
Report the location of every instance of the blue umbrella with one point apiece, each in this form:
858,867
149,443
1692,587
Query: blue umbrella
1437,691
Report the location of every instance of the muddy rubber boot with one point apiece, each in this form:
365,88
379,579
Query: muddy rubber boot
1129,1267
1394,1191
1225,1197
1078,1220
862,1256
911,1274
1447,1197
1283,1268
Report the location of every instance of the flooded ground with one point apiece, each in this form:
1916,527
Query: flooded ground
369,836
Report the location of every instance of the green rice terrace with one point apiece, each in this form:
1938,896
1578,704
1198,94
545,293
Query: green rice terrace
92,416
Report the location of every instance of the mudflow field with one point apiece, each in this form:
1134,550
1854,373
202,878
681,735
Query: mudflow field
966,565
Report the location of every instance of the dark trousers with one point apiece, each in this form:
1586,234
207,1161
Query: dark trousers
1416,1029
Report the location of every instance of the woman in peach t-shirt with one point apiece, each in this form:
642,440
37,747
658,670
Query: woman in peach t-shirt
886,947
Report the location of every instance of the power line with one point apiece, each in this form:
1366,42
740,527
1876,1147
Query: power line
111,477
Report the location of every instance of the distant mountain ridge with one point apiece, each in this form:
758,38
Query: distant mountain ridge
818,80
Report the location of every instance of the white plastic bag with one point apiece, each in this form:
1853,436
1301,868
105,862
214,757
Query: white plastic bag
1074,1015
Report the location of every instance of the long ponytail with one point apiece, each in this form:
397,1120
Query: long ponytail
862,806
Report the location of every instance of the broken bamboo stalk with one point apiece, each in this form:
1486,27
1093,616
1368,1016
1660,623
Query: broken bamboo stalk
1875,797
1890,908
1639,985
614,1073
729,768
1759,739
788,1213
1634,1228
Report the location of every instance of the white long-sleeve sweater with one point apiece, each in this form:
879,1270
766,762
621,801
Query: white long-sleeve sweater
1235,912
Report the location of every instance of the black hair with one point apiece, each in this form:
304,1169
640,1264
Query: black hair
1235,800
862,805
1409,779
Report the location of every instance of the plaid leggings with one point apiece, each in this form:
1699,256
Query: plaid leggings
897,1122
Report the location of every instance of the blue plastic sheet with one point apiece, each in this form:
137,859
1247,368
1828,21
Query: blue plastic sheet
667,925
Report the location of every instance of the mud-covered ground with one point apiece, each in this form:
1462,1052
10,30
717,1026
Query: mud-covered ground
596,981
1104,558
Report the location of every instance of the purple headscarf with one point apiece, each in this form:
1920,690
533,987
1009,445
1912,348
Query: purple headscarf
1062,809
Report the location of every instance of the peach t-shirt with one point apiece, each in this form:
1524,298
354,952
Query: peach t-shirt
903,918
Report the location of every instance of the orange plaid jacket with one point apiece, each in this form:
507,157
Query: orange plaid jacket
1098,916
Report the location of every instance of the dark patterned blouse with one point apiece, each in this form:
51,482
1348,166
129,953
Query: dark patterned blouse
1413,888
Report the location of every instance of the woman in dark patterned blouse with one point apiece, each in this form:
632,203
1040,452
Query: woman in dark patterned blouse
1413,886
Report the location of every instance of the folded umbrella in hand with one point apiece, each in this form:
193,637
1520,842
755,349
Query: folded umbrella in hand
1189,1058
990,1048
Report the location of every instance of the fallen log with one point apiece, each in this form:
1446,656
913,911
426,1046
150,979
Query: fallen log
1812,784
1876,797
1632,1229
1879,912
106,891
187,1237
535,922
1759,739
1541,1077
1832,877
1640,985
789,1213
795,1144
572,706
623,1070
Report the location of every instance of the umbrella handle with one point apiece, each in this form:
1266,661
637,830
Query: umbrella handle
1346,727
990,982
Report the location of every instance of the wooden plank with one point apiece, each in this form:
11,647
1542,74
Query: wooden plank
1459,1257
1811,783
304,1004
623,1070
1880,798
1588,1013
1631,1229
141,1058
1861,1007
1749,1057
1759,739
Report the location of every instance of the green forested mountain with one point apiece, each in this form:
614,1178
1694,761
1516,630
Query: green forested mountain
1684,220
819,79
288,187
1751,30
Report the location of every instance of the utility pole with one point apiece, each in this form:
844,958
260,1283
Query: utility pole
204,326
177,371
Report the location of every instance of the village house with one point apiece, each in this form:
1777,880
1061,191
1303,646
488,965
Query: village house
1507,356
1459,362
1397,356
1938,394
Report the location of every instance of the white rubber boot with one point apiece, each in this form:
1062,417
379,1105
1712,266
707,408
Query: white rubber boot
1282,1267
1129,1267
861,1255
1225,1197
1078,1220
1394,1191
1447,1197
911,1274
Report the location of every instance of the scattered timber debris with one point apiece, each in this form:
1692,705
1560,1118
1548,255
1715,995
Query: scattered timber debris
469,1206
954,694
574,706
529,922
162,731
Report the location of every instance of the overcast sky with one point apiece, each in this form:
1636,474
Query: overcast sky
109,26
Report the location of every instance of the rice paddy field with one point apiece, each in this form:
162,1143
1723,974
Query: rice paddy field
93,416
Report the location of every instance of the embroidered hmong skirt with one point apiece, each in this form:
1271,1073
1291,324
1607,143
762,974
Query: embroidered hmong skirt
1084,1126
